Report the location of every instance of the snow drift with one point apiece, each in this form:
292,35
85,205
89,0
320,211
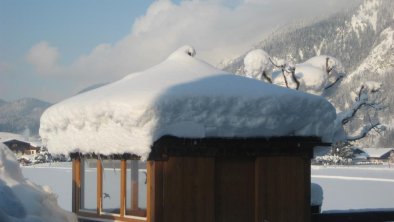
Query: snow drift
184,97
21,200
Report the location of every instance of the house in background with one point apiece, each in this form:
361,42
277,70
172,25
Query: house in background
379,154
19,144
359,155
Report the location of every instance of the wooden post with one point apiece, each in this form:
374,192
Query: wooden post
123,168
134,186
99,187
76,184
154,203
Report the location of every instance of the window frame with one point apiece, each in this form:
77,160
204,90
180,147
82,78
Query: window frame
77,184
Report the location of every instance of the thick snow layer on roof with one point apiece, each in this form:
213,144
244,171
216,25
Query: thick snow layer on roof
184,97
5,137
23,201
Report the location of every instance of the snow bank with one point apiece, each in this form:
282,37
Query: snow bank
316,194
184,97
22,200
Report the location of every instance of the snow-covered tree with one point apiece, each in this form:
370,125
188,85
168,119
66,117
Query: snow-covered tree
313,76
317,75
257,65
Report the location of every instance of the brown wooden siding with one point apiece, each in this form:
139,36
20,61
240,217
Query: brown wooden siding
187,189
274,189
234,190
283,189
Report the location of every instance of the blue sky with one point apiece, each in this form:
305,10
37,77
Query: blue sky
51,49
75,27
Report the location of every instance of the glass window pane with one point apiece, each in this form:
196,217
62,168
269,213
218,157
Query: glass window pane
111,186
136,180
89,185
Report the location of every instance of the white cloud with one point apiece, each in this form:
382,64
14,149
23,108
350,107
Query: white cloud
216,30
44,58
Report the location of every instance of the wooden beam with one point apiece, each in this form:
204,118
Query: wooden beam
168,146
99,186
366,216
76,184
134,186
123,168
155,191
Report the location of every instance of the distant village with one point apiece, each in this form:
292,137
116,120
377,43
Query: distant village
30,150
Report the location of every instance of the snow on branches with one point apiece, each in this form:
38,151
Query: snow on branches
315,76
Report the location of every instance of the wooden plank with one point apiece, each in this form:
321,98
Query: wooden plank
168,146
99,187
134,186
76,184
123,168
234,190
281,190
188,188
155,191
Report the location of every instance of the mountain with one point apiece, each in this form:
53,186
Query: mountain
21,115
363,40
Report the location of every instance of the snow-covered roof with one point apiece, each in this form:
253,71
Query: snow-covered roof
5,137
185,97
377,152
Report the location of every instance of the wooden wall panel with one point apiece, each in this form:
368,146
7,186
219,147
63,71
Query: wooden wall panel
155,191
282,189
234,190
188,189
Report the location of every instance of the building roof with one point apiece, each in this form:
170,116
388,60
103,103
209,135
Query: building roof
184,97
377,152
5,137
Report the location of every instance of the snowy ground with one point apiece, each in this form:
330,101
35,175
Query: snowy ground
355,187
57,176
363,187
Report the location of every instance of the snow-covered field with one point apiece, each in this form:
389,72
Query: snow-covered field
363,187
56,176
355,187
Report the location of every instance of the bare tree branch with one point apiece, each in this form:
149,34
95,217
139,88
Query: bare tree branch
293,76
288,69
335,82
328,69
364,132
277,66
284,77
266,77
361,100
360,91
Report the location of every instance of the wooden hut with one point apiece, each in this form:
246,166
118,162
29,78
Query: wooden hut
193,149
